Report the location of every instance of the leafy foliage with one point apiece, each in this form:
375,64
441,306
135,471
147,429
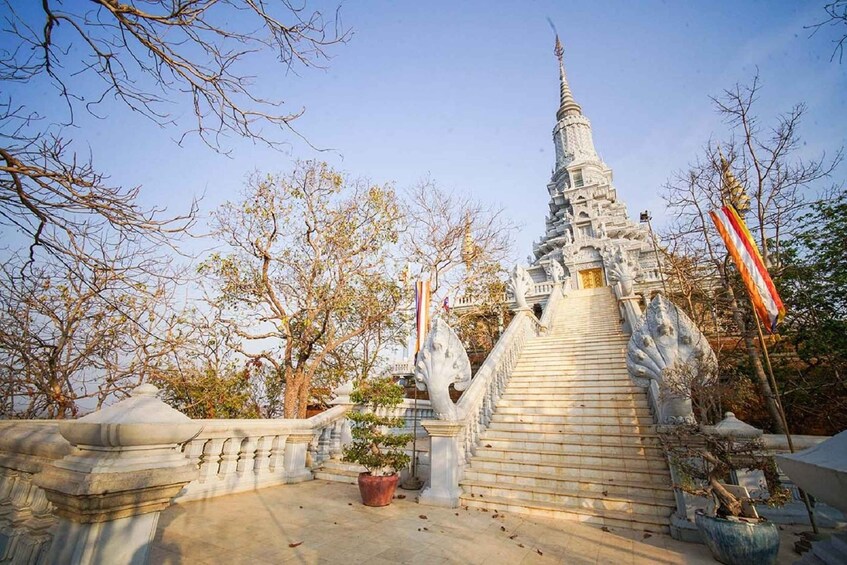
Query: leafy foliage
308,274
812,357
375,446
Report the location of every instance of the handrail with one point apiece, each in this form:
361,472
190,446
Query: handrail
632,318
476,405
556,295
237,455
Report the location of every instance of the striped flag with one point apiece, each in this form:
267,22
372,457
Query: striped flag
421,313
744,251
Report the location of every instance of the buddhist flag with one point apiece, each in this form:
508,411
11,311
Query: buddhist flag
742,247
421,313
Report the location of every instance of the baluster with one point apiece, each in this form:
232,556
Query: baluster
229,457
335,447
278,455
41,507
263,452
7,483
312,457
21,494
210,461
194,450
324,444
246,455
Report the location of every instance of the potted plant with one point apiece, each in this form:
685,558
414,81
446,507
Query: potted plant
375,446
705,458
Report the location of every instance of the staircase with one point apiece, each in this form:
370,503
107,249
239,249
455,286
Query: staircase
572,437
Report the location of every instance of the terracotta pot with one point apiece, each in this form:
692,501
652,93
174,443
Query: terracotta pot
377,491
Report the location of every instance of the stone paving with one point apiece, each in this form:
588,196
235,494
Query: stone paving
325,522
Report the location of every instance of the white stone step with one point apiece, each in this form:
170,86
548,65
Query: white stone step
620,487
577,388
490,460
607,464
614,434
549,408
610,519
582,380
339,471
571,375
554,363
553,445
557,415
643,504
573,407
600,439
597,338
616,399
576,444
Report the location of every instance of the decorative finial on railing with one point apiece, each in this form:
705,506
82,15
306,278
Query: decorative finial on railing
669,348
442,362
520,284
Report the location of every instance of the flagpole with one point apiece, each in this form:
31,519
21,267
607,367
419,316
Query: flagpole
782,417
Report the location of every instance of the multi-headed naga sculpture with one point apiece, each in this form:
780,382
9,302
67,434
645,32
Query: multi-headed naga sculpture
442,362
669,348
520,284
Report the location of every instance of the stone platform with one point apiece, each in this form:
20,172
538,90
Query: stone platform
325,522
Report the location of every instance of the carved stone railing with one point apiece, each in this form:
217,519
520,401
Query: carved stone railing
25,513
547,319
536,291
239,455
631,316
477,403
227,456
454,441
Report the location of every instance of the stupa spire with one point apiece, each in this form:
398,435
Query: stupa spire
567,106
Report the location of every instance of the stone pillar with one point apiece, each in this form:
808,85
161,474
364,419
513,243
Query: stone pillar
294,459
443,487
125,468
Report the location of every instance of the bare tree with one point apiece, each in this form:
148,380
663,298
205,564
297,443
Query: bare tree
836,16
453,240
462,246
765,161
309,270
84,248
146,56
69,344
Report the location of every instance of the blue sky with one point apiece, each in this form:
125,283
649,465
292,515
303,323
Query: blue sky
467,93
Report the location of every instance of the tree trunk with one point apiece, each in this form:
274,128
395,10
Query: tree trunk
756,360
291,394
303,396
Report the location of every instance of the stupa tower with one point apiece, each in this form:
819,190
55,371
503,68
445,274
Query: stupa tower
586,224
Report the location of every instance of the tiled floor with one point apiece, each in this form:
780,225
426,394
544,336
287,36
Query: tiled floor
325,522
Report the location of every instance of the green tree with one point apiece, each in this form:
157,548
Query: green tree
309,269
813,284
777,179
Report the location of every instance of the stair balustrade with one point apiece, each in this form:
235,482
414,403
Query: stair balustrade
632,318
477,403
229,456
454,442
239,455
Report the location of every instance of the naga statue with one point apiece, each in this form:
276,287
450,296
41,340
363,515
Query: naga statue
669,348
554,270
442,362
622,269
520,284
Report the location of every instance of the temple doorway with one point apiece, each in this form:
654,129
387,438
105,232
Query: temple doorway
591,278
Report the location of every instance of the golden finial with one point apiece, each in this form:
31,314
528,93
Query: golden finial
732,191
468,247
